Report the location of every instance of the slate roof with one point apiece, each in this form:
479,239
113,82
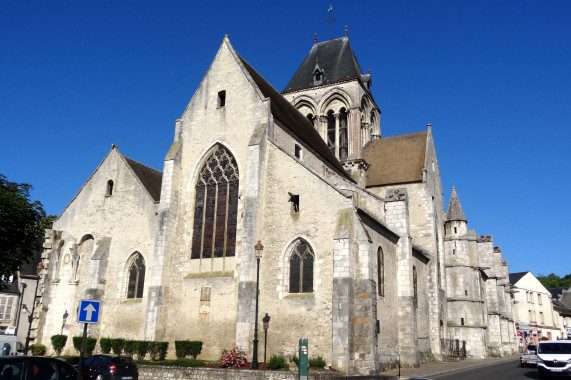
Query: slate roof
515,277
561,308
150,178
397,159
293,119
335,58
455,211
556,292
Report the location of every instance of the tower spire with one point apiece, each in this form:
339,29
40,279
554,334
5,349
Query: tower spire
455,211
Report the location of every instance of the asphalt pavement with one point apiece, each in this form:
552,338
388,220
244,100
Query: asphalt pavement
425,371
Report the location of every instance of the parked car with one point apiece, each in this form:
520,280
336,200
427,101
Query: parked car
35,368
554,358
11,346
529,356
109,367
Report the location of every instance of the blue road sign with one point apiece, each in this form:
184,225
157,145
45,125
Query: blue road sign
88,311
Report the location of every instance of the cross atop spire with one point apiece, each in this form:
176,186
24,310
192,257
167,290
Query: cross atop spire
330,21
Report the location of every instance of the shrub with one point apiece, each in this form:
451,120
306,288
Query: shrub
141,348
105,344
89,347
234,358
277,362
184,348
129,348
317,362
73,360
117,345
294,359
163,348
38,349
58,343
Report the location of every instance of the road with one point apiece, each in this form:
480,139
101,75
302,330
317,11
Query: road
510,370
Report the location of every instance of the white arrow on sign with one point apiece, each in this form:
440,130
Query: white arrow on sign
89,309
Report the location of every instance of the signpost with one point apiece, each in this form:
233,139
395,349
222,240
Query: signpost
88,312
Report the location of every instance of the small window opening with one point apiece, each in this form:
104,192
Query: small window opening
455,230
462,321
294,199
454,251
317,77
297,151
465,292
109,190
221,98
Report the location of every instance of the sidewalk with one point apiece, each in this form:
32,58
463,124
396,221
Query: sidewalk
433,369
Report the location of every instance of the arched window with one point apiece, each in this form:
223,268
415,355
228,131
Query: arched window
216,206
381,271
331,131
109,190
343,135
301,269
136,277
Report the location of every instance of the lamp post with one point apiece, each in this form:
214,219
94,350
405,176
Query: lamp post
259,248
266,321
24,285
31,316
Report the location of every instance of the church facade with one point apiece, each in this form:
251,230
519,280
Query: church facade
356,252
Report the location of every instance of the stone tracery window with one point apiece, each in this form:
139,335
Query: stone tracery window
343,135
216,206
136,277
301,269
381,272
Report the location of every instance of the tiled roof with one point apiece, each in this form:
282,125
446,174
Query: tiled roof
335,58
455,211
293,119
397,159
515,277
150,178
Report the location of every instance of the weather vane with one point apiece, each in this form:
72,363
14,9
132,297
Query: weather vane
330,21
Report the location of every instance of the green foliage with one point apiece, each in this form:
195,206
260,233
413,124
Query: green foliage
234,358
317,362
294,359
89,347
117,345
58,343
73,360
21,227
184,348
129,348
163,348
142,348
277,362
38,349
554,281
105,344
188,362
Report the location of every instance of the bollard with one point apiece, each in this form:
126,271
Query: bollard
303,359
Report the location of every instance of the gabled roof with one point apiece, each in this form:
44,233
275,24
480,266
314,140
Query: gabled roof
515,277
396,159
455,211
336,60
290,117
556,292
150,178
561,308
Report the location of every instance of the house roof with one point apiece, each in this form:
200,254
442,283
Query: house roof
150,178
336,60
515,277
288,115
396,159
455,211
556,292
561,308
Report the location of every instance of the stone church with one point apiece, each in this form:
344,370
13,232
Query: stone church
359,255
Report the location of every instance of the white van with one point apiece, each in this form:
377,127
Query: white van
554,358
10,345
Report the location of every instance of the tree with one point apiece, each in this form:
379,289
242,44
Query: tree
554,281
22,224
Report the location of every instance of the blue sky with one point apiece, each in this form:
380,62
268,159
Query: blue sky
493,77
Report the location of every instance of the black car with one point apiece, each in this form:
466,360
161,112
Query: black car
109,367
35,368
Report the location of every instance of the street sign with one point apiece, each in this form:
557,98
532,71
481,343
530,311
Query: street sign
88,311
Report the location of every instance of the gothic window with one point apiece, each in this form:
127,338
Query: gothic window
216,206
381,271
311,118
343,136
109,190
136,277
415,284
301,269
331,131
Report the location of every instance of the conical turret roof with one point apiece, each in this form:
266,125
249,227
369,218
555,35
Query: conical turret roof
455,211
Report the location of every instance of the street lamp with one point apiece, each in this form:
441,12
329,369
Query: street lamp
24,285
31,317
259,248
266,321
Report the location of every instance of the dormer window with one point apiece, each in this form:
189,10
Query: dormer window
317,76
